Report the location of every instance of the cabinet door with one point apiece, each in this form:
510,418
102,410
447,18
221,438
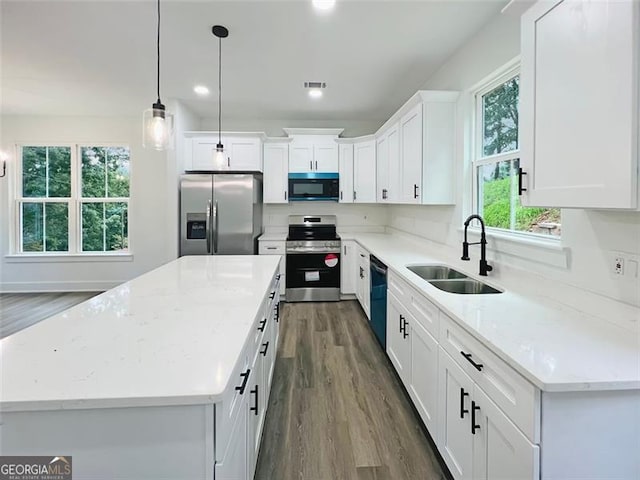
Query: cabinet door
423,387
411,155
300,157
235,462
366,282
364,172
350,268
579,104
455,443
346,173
382,169
325,158
255,410
276,170
244,154
395,167
203,151
500,450
398,334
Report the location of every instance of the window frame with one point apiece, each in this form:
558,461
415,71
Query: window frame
478,159
74,202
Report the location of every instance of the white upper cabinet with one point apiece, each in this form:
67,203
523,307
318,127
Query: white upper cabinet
411,155
276,170
313,150
579,104
364,171
242,152
388,165
345,171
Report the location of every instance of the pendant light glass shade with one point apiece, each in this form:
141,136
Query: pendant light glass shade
157,128
157,123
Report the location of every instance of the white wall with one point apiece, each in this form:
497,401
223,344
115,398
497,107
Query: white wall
588,237
149,217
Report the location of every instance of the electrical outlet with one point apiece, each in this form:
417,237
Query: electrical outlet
618,265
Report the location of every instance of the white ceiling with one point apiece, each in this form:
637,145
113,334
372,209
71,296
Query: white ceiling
98,58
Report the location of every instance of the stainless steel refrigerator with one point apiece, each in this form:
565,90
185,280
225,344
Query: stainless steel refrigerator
220,213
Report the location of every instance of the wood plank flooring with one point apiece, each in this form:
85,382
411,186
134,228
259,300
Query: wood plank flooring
337,410
21,310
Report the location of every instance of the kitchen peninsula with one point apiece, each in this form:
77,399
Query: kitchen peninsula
165,376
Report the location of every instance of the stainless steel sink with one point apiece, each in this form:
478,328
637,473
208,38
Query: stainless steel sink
466,286
435,272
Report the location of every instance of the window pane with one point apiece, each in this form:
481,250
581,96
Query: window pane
499,202
117,171
59,172
500,118
34,171
105,227
56,227
92,227
93,172
117,235
46,171
32,227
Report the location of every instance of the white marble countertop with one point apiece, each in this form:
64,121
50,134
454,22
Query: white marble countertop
169,337
556,346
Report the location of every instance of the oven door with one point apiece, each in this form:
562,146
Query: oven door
313,186
313,277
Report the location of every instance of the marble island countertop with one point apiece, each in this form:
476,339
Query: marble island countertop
556,346
169,337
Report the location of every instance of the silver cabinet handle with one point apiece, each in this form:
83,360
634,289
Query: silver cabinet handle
208,226
215,227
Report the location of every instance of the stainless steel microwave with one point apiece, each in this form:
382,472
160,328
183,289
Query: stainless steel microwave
313,186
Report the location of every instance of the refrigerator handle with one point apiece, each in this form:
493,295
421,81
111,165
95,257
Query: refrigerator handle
215,227
208,226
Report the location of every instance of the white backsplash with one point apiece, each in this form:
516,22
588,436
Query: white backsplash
350,217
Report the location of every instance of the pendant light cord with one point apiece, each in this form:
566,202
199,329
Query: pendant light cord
158,51
219,90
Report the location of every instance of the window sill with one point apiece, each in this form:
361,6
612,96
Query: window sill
68,257
532,249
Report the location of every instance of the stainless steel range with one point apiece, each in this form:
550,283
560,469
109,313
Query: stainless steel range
313,259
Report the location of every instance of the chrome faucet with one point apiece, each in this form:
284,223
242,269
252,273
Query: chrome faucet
484,266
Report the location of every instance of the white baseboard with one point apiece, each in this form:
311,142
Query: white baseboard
86,286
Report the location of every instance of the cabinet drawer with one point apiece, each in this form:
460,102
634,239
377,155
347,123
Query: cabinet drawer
425,312
398,287
518,398
271,247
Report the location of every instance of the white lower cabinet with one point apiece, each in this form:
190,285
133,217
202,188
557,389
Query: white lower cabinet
455,441
234,464
363,285
500,450
276,247
349,272
398,347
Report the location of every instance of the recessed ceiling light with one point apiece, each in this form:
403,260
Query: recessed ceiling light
315,93
201,90
324,4
315,88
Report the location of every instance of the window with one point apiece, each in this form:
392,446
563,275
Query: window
496,163
70,205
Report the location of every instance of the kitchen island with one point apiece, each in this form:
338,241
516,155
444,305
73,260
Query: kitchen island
165,376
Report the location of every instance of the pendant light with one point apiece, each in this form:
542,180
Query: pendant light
157,123
220,32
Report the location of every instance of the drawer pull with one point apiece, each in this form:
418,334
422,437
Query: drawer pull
277,314
277,277
266,347
401,320
478,366
263,324
474,427
245,378
272,248
462,409
405,334
272,295
255,406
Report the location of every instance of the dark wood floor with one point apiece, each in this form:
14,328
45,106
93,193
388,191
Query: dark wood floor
337,410
21,310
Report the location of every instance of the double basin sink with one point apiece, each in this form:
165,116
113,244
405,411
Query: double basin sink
450,280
